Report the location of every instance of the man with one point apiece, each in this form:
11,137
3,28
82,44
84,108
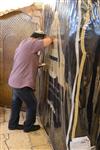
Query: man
23,80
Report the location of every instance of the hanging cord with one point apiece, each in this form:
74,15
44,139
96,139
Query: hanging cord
80,71
76,76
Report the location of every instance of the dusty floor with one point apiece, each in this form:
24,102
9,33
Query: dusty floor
19,140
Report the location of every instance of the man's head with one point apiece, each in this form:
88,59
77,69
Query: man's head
38,34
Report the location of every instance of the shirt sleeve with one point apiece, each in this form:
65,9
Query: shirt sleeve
37,46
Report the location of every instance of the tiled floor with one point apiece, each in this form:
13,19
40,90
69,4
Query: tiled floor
19,140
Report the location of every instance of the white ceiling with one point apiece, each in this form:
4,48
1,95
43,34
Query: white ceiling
11,5
14,4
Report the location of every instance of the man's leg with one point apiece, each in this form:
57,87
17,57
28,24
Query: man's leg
27,95
15,111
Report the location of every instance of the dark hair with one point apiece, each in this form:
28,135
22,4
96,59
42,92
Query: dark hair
38,35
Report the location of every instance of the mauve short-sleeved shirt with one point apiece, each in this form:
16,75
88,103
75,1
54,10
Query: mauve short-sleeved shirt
25,66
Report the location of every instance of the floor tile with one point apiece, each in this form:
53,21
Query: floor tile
19,140
38,138
45,147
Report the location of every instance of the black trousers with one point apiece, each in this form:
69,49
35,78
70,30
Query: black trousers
25,94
